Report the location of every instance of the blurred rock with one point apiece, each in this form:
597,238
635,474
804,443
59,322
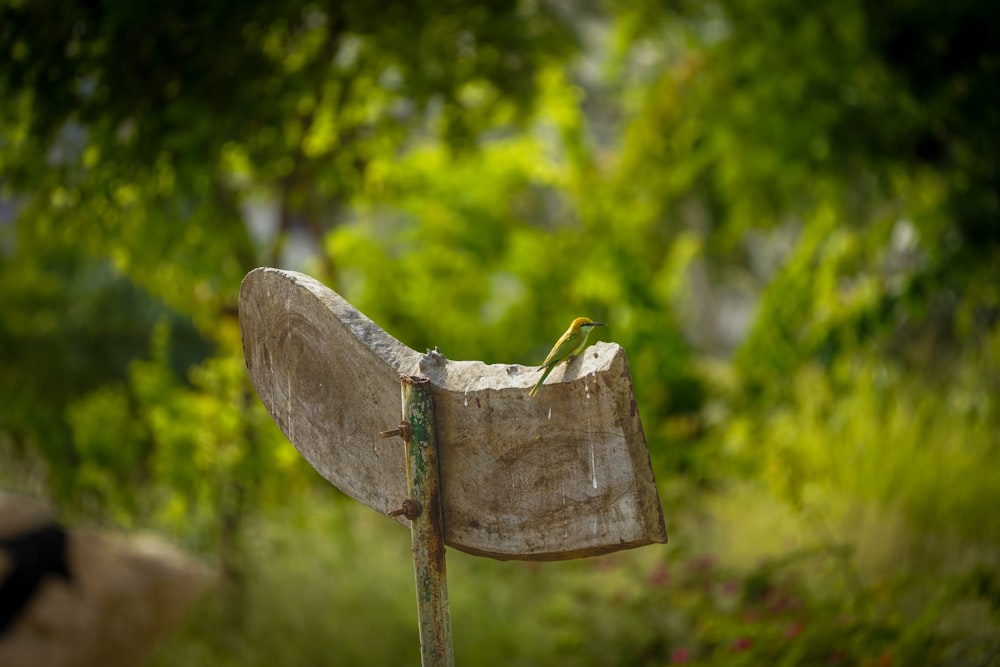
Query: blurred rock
120,596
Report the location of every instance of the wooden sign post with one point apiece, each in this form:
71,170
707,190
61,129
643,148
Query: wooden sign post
486,470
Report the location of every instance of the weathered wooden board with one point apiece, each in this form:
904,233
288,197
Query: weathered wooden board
330,379
562,475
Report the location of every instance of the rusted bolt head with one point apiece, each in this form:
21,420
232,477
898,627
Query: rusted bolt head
403,431
410,509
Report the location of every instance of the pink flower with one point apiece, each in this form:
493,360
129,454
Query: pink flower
793,630
742,644
679,656
659,577
702,564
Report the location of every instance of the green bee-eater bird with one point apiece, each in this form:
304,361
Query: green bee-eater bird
567,347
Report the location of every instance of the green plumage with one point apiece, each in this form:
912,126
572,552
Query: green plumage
569,345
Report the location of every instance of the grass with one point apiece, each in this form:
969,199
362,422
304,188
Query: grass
861,530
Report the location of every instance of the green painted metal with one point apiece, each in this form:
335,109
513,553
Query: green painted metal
426,528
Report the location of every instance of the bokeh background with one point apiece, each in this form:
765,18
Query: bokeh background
788,213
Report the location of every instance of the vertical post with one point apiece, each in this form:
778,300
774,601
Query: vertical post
426,530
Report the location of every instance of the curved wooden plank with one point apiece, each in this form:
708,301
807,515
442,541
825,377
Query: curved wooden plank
562,475
328,376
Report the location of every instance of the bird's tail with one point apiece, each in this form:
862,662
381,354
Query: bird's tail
534,390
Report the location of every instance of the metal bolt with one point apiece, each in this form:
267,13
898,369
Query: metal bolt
403,431
410,509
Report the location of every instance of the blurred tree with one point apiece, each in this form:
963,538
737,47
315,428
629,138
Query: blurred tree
132,138
856,126
211,100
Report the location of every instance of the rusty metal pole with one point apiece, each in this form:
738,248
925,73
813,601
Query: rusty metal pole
423,508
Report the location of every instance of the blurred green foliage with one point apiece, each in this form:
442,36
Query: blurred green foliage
787,214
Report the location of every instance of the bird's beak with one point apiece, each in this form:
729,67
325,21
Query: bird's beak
600,324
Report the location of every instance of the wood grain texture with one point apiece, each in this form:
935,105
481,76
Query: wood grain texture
328,376
562,475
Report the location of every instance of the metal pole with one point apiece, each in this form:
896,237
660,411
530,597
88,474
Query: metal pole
423,508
